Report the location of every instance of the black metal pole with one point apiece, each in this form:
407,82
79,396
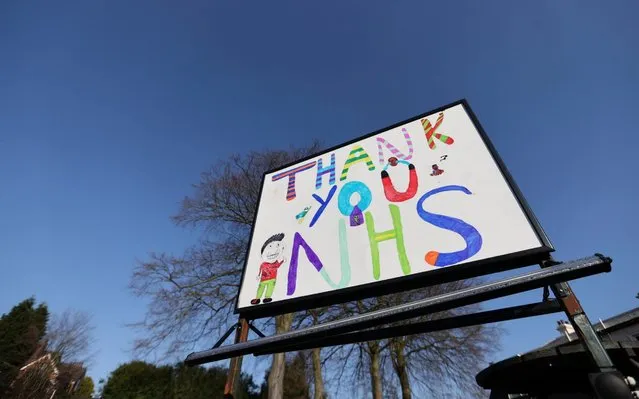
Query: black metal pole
537,279
607,382
447,323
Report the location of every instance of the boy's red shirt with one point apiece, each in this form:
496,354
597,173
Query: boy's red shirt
269,270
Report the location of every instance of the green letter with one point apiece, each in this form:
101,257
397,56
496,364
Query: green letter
395,233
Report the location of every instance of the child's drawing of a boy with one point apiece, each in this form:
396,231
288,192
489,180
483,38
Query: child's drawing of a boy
272,259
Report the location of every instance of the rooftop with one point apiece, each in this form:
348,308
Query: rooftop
562,365
611,324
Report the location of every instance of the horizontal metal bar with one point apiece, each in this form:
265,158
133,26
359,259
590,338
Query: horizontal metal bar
447,323
536,279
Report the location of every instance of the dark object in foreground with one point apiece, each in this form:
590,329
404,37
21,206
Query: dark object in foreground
563,372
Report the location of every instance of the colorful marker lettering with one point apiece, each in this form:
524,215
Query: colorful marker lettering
396,233
470,234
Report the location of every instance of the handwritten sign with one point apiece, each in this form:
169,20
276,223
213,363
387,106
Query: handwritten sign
418,197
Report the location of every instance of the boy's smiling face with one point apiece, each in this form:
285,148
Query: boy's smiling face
273,251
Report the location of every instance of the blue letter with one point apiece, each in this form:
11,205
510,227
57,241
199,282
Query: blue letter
323,204
344,201
321,171
468,232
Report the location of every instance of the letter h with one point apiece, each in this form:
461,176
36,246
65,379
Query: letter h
321,171
396,233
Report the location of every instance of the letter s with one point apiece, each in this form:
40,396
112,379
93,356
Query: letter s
470,234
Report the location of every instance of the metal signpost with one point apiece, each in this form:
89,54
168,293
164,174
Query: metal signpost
423,202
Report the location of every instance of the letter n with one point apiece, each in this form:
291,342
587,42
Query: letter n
299,242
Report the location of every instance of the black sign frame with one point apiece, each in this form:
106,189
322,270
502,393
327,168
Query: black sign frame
427,278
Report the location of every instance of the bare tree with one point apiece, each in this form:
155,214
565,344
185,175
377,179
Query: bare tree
312,317
374,351
70,335
192,295
370,359
441,362
276,376
316,360
318,380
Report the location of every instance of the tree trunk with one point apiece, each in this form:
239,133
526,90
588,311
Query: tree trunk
318,379
376,374
276,376
401,367
317,375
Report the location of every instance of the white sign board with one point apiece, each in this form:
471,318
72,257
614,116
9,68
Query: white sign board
421,196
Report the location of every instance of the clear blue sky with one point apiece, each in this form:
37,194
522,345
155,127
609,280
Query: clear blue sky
109,110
